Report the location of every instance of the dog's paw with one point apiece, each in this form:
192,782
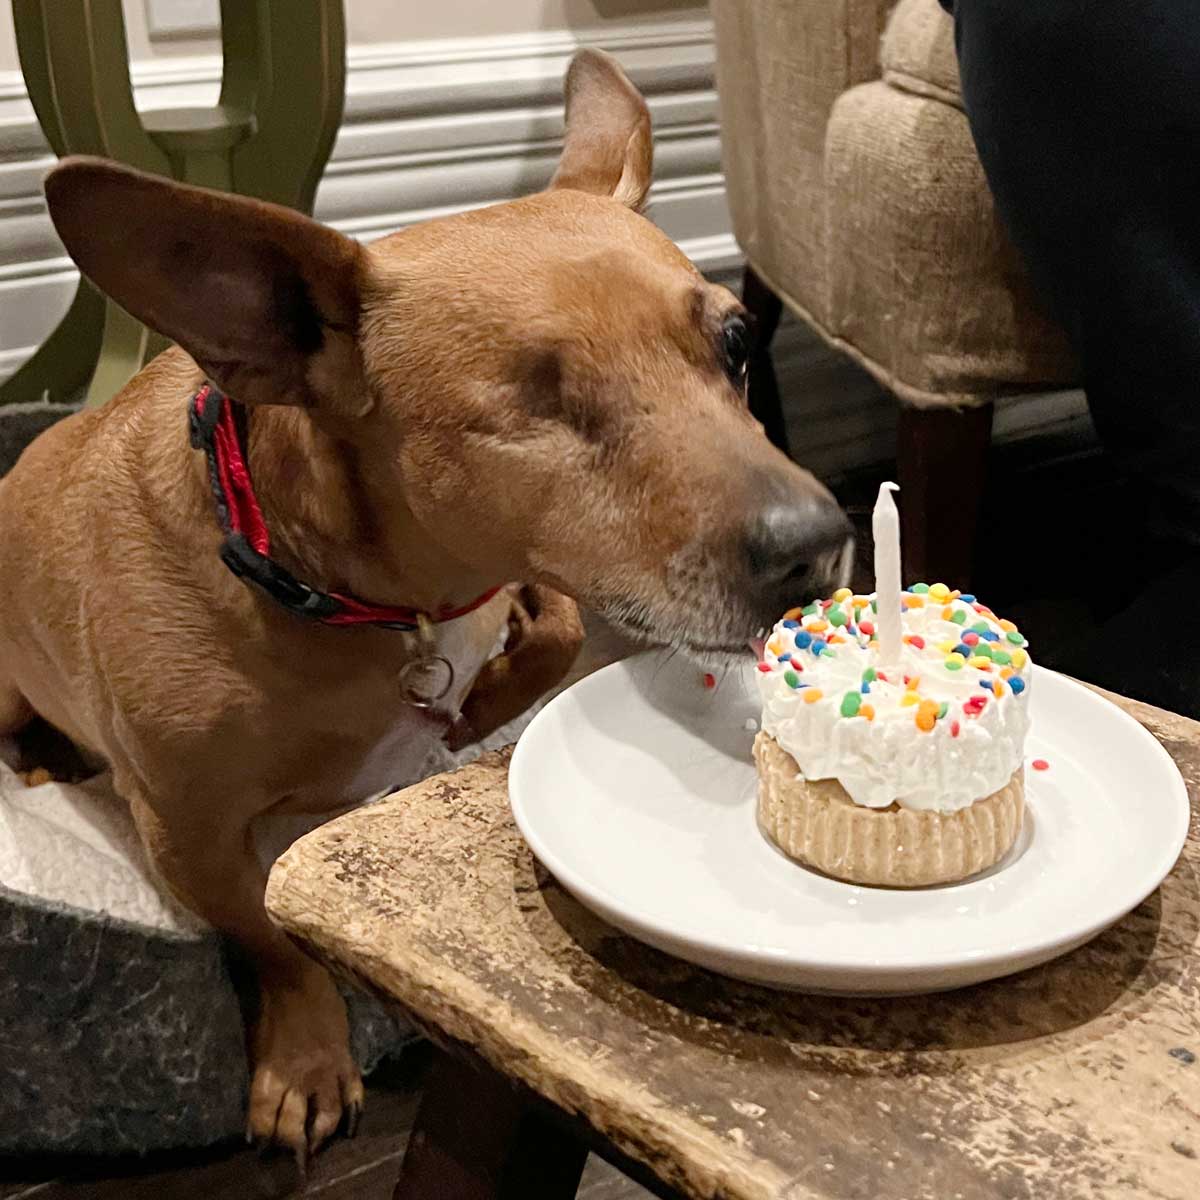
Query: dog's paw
306,1083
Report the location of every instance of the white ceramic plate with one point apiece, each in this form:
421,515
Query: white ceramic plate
636,789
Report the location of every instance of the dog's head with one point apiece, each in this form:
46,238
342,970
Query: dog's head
555,392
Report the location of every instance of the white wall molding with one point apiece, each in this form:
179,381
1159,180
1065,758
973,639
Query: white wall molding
430,128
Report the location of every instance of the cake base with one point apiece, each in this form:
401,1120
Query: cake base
816,823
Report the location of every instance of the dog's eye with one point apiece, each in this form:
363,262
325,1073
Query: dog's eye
735,346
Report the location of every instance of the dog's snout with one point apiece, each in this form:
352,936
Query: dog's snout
792,543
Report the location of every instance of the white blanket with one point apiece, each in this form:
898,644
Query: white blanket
76,844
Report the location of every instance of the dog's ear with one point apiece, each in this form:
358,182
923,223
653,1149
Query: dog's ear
608,148
264,299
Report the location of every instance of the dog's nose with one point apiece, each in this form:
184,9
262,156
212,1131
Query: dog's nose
795,545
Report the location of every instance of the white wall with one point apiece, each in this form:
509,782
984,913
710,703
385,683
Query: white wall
370,21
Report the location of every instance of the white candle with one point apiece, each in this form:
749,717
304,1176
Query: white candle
885,525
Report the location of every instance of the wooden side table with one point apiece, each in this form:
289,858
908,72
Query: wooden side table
1077,1079
269,135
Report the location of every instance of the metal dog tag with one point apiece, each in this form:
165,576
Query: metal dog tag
424,681
427,678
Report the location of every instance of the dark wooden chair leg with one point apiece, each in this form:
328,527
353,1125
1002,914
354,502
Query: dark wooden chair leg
476,1137
942,457
763,388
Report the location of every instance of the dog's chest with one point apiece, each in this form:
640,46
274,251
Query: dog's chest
412,745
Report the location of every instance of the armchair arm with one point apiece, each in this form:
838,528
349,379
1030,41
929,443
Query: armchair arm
781,64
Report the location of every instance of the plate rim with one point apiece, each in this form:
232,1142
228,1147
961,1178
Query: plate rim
603,901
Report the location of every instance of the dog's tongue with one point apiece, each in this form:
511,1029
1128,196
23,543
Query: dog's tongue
757,646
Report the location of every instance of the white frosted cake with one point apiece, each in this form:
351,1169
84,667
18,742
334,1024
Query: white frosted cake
901,774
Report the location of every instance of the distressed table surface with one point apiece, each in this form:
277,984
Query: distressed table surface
1077,1079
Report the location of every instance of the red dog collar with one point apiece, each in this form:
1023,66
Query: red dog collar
246,550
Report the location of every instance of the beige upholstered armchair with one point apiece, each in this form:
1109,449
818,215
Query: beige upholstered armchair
860,203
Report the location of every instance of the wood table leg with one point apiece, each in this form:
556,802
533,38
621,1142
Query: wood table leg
763,387
477,1137
942,463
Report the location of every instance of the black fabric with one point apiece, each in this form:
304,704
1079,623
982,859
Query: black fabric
1086,116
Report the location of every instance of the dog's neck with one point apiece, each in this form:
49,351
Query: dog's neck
332,528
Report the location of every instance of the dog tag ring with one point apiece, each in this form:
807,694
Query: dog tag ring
429,676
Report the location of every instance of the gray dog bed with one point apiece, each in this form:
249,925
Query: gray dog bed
120,1025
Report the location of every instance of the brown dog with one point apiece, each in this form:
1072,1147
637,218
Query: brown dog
545,391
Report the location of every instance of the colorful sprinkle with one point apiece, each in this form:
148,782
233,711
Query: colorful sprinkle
983,650
967,598
990,636
791,679
909,698
1007,626
836,639
1002,657
867,711
870,675
791,615
842,594
764,667
810,610
915,639
986,683
1019,658
959,616
914,601
1040,764
812,695
970,639
980,627
1016,638
860,601
851,703
979,662
954,663
955,728
1017,684
927,715
912,682
788,623
817,626
786,656
939,591
945,647
804,639
818,644
963,649
943,709
865,688
710,680
867,628
837,617
920,588
774,646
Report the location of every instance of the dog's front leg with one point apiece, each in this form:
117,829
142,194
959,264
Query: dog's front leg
304,1077
545,633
